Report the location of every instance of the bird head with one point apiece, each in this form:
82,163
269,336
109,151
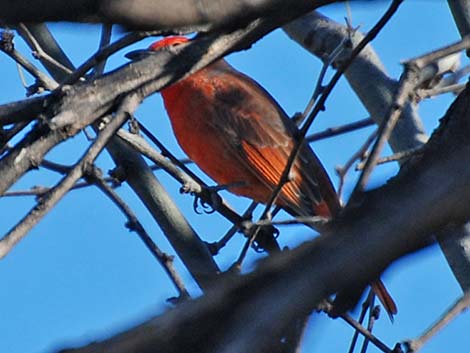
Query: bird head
168,42
160,44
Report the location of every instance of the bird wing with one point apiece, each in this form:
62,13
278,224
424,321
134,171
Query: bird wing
260,130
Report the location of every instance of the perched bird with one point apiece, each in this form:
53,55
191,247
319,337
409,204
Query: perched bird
238,134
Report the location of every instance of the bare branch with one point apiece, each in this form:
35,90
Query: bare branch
107,51
415,73
457,308
391,221
461,15
366,75
141,146
319,106
25,110
148,75
6,45
369,80
358,155
134,225
338,130
400,156
38,37
139,176
128,105
180,15
106,32
366,332
264,237
432,92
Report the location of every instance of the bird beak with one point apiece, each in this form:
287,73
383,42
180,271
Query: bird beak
138,54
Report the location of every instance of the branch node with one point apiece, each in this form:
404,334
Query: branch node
6,41
118,174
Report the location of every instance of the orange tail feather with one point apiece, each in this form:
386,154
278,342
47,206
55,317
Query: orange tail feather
385,298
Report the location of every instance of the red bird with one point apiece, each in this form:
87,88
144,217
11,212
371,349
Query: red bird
239,135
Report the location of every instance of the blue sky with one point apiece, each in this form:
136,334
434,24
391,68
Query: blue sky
80,275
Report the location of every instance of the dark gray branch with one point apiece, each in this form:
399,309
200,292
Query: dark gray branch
188,245
175,15
461,11
369,79
176,228
22,111
45,204
148,75
392,221
366,75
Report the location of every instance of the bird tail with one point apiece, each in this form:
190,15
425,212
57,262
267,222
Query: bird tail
385,298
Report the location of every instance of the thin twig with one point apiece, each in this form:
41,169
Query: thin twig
358,155
140,145
7,46
216,246
56,167
455,88
326,306
374,314
12,132
248,243
399,156
224,209
424,60
217,203
362,315
414,74
106,32
319,84
41,190
106,52
406,86
366,333
457,308
320,105
38,52
308,220
338,130
19,231
34,191
166,152
94,175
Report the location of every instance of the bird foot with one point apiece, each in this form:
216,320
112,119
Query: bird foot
209,199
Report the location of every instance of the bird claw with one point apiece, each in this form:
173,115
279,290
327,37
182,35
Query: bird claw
257,247
208,199
207,206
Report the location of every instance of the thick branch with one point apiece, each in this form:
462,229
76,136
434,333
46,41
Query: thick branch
44,205
368,78
23,110
177,15
366,75
147,75
392,221
176,228
189,246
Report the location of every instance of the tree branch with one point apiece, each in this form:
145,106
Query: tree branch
392,221
139,176
134,225
368,78
179,15
127,107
